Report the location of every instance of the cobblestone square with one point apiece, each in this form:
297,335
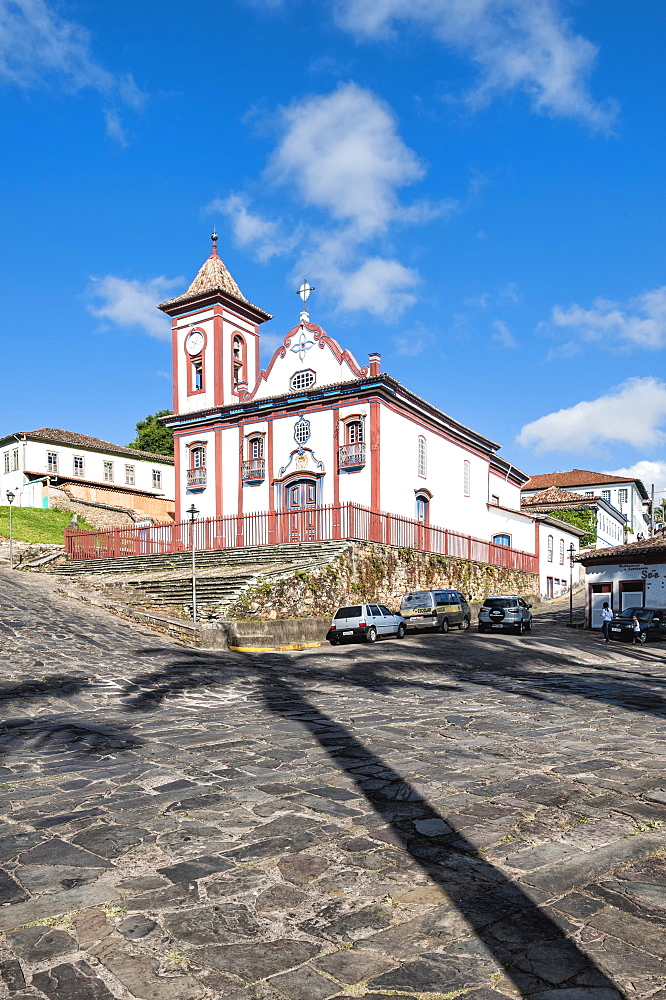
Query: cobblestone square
460,814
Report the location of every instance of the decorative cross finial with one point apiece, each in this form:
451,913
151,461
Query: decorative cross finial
304,291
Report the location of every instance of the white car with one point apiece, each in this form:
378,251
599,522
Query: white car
365,621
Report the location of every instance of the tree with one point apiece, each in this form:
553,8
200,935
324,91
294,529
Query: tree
584,519
153,436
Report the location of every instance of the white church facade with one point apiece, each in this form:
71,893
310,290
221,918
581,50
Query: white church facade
293,447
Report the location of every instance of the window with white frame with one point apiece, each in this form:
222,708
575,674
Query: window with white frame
6,457
550,548
129,475
79,465
108,472
561,551
198,457
15,460
589,493
466,478
494,500
255,446
52,462
623,496
302,380
354,432
502,539
422,459
422,508
157,479
606,494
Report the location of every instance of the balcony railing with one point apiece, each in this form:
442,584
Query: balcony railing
196,477
254,470
351,455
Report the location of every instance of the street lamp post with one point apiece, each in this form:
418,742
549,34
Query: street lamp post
572,552
10,500
192,511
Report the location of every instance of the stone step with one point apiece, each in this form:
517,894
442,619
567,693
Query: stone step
257,555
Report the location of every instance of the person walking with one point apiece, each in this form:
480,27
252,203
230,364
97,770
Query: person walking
606,619
636,625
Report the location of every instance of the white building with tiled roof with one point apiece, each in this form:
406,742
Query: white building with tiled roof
625,494
610,523
54,467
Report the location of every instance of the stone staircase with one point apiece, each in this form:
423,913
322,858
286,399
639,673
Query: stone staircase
164,582
255,555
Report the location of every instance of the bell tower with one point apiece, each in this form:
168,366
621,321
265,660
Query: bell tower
215,339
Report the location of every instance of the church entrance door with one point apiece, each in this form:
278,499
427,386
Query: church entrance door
301,499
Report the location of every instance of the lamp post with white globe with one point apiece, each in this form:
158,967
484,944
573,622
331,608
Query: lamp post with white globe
10,500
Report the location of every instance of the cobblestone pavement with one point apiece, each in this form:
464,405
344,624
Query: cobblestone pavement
450,814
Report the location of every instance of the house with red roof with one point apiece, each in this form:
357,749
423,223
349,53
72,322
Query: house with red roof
626,496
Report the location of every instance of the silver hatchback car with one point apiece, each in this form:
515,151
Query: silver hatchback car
507,612
365,621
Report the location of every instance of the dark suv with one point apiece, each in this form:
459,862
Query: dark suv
510,612
651,620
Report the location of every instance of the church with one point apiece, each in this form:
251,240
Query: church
318,445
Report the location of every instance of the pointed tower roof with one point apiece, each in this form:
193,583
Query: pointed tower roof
213,280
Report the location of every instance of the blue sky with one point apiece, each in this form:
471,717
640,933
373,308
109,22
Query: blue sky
475,189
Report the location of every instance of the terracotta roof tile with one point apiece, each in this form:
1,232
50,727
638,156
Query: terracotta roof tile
56,436
577,477
649,546
554,495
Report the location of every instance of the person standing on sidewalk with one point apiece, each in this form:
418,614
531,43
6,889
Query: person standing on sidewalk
606,619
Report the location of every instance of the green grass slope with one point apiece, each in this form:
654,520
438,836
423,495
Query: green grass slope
32,524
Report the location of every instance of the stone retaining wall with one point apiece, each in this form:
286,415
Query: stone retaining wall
369,571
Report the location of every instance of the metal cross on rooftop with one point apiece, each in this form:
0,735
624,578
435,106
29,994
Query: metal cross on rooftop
305,290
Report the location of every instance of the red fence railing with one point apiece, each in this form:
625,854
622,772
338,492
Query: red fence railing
347,521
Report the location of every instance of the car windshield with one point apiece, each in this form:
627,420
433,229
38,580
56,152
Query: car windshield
641,613
500,602
353,612
421,599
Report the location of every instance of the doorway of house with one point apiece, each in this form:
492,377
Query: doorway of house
599,592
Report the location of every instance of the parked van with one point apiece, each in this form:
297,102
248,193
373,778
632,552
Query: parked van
435,609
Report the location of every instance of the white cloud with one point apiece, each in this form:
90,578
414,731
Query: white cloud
342,153
633,413
39,48
133,303
250,230
641,321
343,163
503,335
650,473
525,44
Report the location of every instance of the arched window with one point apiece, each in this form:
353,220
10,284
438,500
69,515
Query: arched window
255,446
502,540
254,467
550,548
562,551
466,479
422,508
354,432
422,461
238,358
196,472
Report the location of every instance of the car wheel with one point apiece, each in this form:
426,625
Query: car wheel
482,628
464,624
642,637
528,626
400,634
334,642
371,634
519,628
444,627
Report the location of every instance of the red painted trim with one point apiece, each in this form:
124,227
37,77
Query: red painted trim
420,491
241,444
238,335
336,446
174,364
374,456
179,485
218,360
218,472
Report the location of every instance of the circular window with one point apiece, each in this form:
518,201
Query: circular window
302,380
